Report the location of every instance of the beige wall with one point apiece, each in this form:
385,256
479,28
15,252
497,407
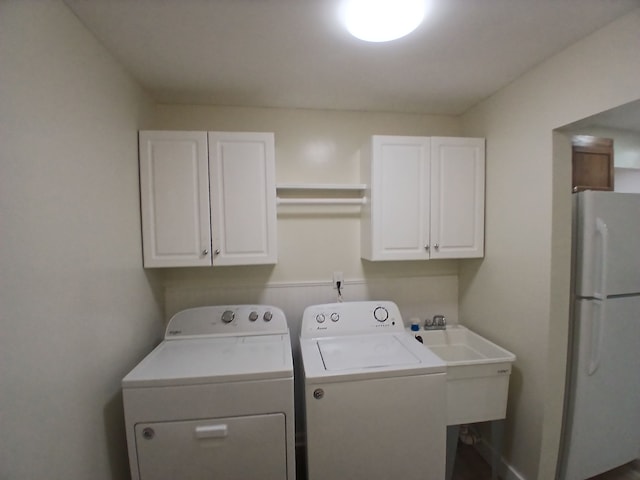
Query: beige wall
312,146
76,309
518,295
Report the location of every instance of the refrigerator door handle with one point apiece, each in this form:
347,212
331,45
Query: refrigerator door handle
596,338
603,230
597,321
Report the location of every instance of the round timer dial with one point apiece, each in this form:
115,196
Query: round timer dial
381,314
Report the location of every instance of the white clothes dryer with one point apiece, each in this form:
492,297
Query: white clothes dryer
374,397
215,399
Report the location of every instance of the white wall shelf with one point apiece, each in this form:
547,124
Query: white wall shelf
320,194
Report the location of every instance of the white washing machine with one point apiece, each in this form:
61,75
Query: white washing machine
374,397
214,399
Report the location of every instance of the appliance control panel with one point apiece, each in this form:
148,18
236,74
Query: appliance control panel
223,320
350,318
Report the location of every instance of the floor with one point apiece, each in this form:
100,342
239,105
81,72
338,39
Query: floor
471,466
630,471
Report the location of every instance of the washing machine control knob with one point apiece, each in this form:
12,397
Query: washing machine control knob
228,316
267,316
335,317
320,318
381,314
253,316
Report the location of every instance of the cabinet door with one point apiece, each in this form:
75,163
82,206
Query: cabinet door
174,198
399,195
243,198
457,197
592,163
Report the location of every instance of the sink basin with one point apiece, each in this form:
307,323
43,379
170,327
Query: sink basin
457,345
478,373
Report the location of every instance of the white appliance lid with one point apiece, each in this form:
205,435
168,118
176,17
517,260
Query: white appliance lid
193,361
352,357
366,351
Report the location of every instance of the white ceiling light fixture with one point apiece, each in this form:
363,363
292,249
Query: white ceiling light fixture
382,20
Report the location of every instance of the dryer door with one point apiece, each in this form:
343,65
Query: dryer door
238,448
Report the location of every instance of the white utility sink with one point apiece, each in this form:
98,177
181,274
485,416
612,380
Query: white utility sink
477,373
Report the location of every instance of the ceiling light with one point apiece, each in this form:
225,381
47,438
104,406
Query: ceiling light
382,20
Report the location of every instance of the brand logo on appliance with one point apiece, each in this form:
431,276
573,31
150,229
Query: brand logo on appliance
175,332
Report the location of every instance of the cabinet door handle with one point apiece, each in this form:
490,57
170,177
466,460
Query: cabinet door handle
426,247
205,252
436,246
217,252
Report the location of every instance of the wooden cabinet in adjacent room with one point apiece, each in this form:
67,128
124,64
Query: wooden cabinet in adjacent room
592,163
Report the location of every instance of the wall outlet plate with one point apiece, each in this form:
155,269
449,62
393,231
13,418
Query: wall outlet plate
337,277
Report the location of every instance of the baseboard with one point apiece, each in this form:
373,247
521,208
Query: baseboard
505,470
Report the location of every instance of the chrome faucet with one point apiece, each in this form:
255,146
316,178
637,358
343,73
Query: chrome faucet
439,322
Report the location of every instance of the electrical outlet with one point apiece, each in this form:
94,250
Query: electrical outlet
337,277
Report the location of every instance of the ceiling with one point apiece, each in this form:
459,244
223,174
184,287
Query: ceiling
295,54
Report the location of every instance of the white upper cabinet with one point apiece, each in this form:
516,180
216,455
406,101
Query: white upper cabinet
243,198
207,199
425,198
174,198
457,197
395,217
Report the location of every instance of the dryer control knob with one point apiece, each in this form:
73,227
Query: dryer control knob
335,317
253,316
381,314
228,316
267,316
320,318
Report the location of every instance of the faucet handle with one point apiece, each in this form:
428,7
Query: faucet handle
439,320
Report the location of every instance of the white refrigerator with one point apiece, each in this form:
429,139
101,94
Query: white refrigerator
601,427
